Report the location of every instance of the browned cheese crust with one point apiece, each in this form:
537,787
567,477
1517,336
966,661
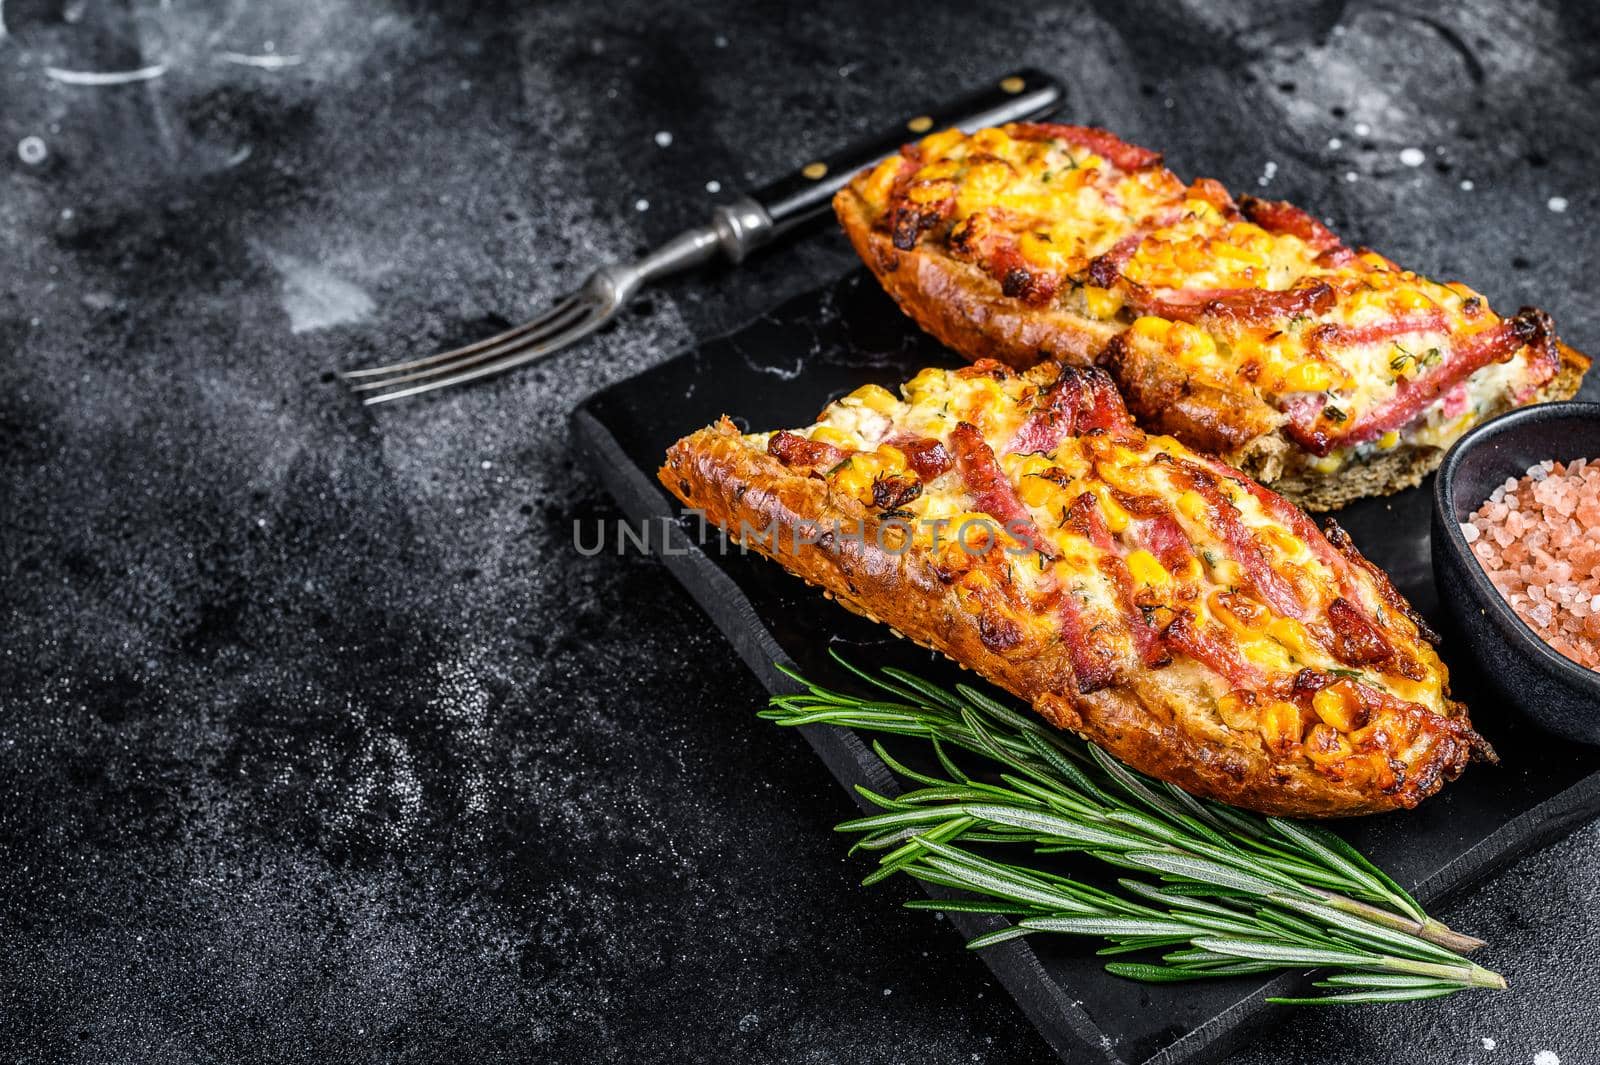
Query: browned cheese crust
1148,720
958,299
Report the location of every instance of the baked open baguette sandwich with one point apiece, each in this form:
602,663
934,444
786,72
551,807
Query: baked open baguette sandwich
1158,602
1247,330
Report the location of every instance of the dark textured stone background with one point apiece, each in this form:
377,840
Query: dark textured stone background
317,739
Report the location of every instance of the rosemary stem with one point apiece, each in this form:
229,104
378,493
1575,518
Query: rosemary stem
1431,930
1469,975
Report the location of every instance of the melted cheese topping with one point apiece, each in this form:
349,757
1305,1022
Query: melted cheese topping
1132,530
1046,206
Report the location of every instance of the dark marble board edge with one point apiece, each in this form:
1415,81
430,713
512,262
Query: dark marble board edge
1065,1026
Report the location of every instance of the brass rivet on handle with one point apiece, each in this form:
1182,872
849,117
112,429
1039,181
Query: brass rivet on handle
1013,84
920,124
814,170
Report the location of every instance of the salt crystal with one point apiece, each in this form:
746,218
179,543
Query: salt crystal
1538,539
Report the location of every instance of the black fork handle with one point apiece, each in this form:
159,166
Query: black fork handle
808,191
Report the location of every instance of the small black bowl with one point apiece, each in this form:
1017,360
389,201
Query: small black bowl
1553,691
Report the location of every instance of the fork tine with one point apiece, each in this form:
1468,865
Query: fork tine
517,355
483,352
514,333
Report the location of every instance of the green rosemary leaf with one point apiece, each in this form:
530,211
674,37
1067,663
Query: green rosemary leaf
1379,980
1238,894
1004,909
1138,943
1051,825
905,771
1356,998
1110,926
1282,953
989,939
1158,974
1311,843
1206,870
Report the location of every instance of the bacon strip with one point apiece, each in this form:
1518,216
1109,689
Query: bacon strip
1273,588
1085,518
1212,650
1280,216
984,237
1320,435
1338,336
1340,541
1104,269
1216,194
991,492
1107,145
793,450
1094,660
906,221
926,457
1244,305
1355,640
1079,401
1163,537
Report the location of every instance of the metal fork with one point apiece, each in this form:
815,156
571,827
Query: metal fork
733,232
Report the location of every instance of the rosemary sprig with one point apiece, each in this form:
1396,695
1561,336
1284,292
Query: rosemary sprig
1223,892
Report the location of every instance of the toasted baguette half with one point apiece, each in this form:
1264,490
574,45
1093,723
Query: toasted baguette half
1157,602
1295,372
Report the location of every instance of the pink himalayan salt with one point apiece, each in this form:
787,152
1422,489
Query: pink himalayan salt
1538,539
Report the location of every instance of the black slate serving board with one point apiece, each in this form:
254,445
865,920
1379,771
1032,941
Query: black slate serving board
778,372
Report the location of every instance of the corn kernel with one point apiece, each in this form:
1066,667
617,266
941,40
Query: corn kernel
1410,299
1328,463
1388,441
1036,249
1036,491
1280,724
890,458
1240,613
1146,570
929,380
935,145
1190,343
1117,519
1283,541
876,397
990,139
827,434
1324,745
1193,505
1101,302
1290,633
1339,706
1151,328
1310,377
881,181
1238,709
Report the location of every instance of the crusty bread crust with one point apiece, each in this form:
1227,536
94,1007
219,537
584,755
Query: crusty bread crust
1162,725
964,309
